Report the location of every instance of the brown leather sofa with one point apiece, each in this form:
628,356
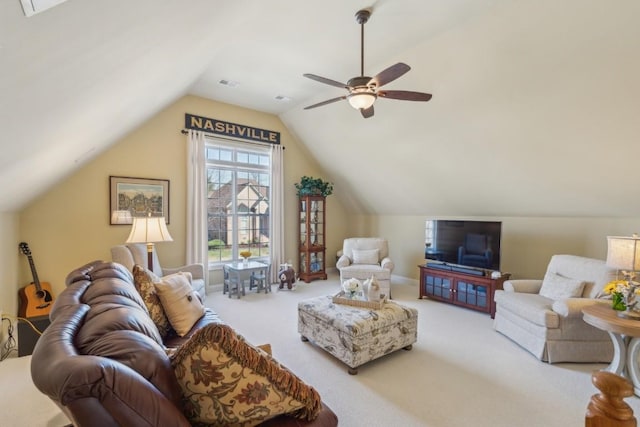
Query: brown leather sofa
101,359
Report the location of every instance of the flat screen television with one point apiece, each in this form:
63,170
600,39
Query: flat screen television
473,244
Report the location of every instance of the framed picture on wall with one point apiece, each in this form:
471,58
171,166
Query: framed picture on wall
135,197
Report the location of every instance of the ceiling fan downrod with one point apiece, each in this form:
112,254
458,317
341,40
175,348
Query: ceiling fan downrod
362,16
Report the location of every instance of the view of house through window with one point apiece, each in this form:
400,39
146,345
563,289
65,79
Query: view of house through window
238,186
429,233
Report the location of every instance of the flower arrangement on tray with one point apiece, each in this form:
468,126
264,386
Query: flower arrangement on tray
352,287
355,293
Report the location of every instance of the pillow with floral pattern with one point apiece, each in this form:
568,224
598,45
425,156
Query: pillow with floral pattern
226,381
144,280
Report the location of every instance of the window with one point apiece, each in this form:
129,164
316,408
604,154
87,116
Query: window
238,187
429,233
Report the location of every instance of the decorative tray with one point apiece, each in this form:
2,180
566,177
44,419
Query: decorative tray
340,298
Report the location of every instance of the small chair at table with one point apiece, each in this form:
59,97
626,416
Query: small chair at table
232,283
260,279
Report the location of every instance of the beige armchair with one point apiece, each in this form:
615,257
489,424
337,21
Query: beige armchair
136,253
364,257
544,316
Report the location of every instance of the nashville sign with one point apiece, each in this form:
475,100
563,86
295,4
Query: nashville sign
230,129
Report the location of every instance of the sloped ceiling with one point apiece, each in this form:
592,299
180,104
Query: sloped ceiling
534,111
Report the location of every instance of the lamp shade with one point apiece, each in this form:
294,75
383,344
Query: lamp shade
121,217
149,229
623,253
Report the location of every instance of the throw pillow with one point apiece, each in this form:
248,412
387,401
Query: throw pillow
180,302
557,287
227,381
365,256
144,280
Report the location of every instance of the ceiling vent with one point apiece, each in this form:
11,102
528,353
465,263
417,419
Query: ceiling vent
230,83
31,7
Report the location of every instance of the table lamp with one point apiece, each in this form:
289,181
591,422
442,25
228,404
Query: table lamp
623,253
149,230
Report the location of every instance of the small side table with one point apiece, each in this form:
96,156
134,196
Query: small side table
625,334
243,272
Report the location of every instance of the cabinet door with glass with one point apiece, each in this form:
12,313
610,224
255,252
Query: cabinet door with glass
311,238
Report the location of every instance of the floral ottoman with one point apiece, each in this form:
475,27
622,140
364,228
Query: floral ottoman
357,335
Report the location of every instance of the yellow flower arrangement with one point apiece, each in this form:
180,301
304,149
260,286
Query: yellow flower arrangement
623,294
245,254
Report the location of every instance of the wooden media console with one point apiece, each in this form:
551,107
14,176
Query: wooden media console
471,288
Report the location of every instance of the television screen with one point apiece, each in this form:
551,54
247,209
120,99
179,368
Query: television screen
467,243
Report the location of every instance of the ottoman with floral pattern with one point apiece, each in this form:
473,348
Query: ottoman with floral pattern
357,335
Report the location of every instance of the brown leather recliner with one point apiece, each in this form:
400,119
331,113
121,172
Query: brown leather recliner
102,359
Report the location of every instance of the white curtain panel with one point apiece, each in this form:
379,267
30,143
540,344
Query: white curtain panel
277,210
197,245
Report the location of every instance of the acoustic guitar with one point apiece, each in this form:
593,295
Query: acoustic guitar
35,298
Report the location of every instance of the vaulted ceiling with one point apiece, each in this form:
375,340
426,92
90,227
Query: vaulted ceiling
534,109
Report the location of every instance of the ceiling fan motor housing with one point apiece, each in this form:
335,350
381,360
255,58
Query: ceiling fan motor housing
362,82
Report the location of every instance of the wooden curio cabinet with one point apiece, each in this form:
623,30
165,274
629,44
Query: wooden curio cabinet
311,238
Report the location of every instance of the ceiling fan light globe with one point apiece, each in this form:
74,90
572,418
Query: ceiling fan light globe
361,100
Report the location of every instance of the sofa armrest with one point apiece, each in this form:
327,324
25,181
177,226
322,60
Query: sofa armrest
106,385
388,264
572,307
527,286
343,261
196,270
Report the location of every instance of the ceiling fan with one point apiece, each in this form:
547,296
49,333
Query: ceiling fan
364,90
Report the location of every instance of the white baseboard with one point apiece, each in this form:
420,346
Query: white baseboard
401,280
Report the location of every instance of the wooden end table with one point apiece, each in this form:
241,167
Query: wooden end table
625,334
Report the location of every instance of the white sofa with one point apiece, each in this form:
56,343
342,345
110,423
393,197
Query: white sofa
545,316
364,257
136,253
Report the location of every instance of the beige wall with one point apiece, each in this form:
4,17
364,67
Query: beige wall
69,226
527,243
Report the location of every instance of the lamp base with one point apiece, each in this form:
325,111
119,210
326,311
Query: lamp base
629,314
150,256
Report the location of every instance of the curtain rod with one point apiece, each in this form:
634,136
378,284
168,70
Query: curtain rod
247,141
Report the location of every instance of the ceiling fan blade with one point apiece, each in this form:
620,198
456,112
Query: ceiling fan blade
328,101
390,74
326,81
367,112
404,95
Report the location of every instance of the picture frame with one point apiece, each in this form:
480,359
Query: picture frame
138,197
